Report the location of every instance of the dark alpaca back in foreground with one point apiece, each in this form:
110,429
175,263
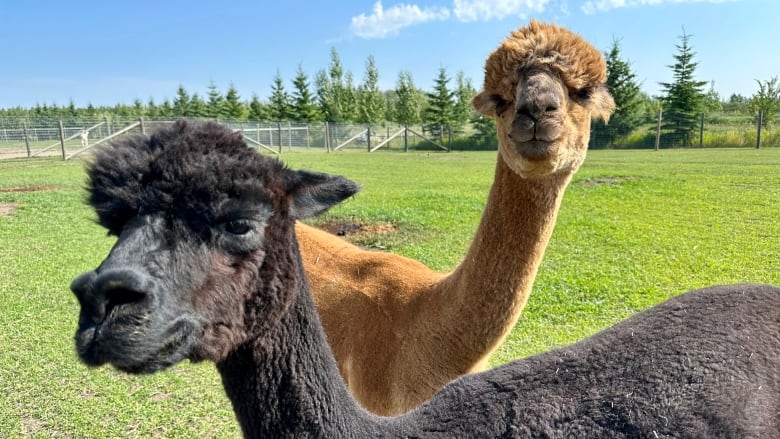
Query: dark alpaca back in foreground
206,267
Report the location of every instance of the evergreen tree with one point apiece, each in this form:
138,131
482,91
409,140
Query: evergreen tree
181,102
621,82
766,99
683,99
215,104
408,107
348,98
371,101
91,111
257,111
233,107
197,107
303,107
166,109
485,132
462,111
335,92
152,110
438,115
279,102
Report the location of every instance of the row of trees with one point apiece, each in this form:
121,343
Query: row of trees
683,101
334,97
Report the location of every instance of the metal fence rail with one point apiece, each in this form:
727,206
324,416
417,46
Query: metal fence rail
72,137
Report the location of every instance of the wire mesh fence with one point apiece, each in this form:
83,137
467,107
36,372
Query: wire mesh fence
70,137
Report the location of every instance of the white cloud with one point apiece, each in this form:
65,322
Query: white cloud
593,6
386,22
485,10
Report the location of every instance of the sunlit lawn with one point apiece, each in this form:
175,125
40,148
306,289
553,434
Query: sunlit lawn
636,227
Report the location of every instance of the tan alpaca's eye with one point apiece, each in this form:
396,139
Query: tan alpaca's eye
582,94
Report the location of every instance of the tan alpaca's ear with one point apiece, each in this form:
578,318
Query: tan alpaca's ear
488,104
602,104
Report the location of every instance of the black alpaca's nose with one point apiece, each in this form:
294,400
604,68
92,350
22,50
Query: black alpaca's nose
100,293
119,287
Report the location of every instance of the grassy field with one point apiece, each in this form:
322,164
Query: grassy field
636,227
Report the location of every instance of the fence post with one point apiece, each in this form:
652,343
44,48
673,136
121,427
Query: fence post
758,132
62,139
108,126
26,139
141,123
701,132
368,137
279,133
327,137
658,129
406,138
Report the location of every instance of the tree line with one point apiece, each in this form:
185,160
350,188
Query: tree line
333,96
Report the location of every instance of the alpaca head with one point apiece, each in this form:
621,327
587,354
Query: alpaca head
203,222
543,85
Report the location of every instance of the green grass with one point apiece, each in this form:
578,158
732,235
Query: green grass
636,227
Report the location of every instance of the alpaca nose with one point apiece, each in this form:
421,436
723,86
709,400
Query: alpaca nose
120,287
100,293
538,106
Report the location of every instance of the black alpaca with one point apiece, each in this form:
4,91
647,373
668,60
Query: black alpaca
206,267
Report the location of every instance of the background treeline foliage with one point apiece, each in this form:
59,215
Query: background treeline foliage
443,110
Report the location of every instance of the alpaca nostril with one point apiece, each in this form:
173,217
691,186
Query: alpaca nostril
120,287
117,296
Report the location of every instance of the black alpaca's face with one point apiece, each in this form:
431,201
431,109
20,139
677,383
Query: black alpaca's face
195,225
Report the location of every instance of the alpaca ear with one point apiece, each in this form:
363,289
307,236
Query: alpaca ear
488,104
313,193
602,104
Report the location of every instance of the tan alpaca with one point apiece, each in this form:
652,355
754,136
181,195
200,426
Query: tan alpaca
400,330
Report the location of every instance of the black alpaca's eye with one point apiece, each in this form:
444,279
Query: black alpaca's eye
238,227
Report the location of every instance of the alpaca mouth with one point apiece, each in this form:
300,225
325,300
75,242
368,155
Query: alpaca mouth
131,349
535,149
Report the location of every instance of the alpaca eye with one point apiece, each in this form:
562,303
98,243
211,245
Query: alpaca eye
238,227
582,94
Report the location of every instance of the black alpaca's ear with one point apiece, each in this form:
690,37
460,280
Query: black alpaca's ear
313,193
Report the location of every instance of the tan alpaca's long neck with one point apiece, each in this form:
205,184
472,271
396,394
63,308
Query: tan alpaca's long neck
494,280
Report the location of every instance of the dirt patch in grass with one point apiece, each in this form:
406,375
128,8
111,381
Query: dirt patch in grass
604,181
357,228
31,188
7,208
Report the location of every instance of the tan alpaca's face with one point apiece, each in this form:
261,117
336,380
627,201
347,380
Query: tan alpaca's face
543,126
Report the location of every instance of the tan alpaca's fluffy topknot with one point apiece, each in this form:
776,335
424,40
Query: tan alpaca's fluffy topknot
577,62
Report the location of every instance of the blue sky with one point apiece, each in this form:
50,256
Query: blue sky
106,52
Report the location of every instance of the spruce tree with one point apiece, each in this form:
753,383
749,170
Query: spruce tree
181,102
197,107
303,108
439,113
279,102
257,111
683,99
215,103
233,107
622,84
462,111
